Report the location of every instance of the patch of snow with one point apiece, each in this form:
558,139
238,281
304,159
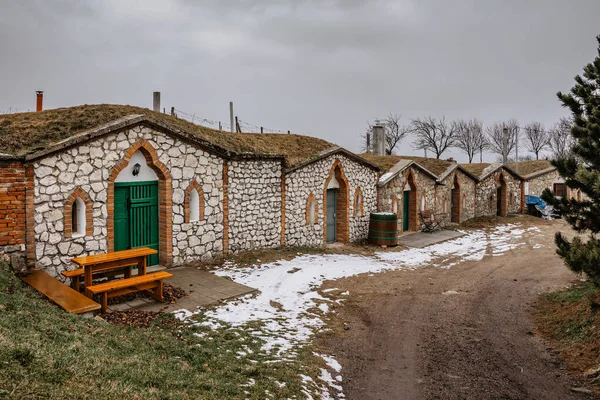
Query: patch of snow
385,177
284,299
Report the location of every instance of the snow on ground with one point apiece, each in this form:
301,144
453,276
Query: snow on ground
291,306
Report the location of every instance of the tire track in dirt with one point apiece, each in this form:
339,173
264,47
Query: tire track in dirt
458,333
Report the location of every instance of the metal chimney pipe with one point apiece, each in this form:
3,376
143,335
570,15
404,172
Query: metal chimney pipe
156,101
40,100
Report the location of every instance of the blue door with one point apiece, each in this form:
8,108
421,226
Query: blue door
331,209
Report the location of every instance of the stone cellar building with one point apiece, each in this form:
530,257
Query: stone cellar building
90,179
412,184
499,189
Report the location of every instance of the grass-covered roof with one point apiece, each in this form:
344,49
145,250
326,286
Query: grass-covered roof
26,133
475,169
433,165
531,167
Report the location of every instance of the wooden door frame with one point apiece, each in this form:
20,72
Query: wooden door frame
455,199
502,185
413,224
165,207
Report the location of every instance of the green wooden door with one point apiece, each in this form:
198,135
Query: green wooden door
136,217
405,207
331,210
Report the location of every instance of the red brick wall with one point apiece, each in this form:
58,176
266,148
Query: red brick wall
12,204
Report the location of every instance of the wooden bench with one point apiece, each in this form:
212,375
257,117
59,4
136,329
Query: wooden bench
111,262
76,275
67,298
151,283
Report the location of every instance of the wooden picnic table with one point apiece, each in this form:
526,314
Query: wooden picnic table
113,261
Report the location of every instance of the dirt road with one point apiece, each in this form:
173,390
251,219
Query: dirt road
460,333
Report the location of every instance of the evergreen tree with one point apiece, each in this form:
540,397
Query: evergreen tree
581,171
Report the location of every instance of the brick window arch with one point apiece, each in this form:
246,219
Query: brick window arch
312,210
194,203
359,208
77,214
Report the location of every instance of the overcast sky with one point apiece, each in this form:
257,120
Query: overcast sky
321,68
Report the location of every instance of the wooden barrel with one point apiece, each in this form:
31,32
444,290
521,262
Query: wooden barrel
383,229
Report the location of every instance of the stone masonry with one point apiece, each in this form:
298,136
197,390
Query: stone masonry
467,196
394,191
310,180
254,204
537,184
88,167
486,194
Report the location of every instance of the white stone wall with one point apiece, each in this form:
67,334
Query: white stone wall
486,194
311,179
538,184
254,200
89,166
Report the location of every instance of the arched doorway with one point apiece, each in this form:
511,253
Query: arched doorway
409,204
335,206
501,206
139,205
455,201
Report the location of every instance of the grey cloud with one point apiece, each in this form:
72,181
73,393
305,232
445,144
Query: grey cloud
317,67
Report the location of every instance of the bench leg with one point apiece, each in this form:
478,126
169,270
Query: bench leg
127,272
76,283
104,302
157,293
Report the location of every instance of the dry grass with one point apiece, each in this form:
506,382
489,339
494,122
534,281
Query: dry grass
385,162
493,221
476,169
570,321
434,165
530,167
24,133
437,167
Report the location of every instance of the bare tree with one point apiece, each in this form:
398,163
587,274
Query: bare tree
536,138
394,133
498,142
561,140
433,134
470,137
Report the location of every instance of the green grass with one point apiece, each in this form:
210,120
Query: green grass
46,353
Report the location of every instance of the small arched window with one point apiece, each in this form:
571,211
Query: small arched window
77,214
312,210
194,203
464,201
358,204
512,198
395,202
194,206
78,218
423,201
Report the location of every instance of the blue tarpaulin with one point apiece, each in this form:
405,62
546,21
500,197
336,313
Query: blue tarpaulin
535,200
